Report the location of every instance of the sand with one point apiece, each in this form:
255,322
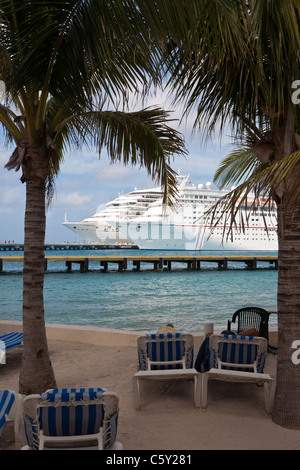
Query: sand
235,418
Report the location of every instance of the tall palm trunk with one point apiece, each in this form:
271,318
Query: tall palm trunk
287,400
36,372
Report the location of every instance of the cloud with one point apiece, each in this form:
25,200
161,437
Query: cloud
86,182
74,199
12,200
113,172
4,156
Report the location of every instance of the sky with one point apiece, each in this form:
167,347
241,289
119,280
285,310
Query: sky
86,182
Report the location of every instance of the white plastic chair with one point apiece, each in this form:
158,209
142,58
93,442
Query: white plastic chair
65,418
166,357
239,359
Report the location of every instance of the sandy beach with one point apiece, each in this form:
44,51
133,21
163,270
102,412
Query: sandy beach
235,418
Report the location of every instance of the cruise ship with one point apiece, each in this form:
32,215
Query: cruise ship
96,229
186,225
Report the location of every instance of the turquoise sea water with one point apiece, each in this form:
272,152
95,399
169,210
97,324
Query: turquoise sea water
142,300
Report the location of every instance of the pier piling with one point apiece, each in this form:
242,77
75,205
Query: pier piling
84,264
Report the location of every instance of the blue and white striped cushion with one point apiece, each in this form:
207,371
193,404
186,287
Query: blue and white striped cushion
236,353
172,350
60,420
12,339
71,420
7,399
72,394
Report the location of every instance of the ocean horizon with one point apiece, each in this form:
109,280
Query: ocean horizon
146,299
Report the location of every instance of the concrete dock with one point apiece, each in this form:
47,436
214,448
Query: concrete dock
158,262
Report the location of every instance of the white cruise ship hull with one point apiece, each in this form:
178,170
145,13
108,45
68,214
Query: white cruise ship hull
157,236
109,235
96,228
95,232
241,242
141,218
85,230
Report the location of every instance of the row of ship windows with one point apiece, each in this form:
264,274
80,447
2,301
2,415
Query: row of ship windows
254,239
212,199
194,217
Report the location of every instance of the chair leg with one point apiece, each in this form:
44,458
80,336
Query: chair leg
204,390
270,388
136,392
18,413
197,390
272,393
41,441
100,439
116,446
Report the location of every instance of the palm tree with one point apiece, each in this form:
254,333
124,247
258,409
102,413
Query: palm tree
62,63
242,67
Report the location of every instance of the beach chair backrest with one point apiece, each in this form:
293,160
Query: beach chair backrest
165,351
64,413
252,317
72,412
243,353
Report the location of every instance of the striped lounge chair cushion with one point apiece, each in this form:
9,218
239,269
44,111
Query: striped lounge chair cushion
11,340
236,353
78,420
7,399
165,347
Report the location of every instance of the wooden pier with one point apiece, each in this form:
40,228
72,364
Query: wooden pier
158,262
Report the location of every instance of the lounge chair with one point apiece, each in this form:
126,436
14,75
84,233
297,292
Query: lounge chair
9,341
10,410
166,357
239,359
72,418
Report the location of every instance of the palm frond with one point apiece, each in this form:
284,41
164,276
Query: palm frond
237,167
104,45
261,188
141,138
243,75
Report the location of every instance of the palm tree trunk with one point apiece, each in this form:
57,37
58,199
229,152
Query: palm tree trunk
36,373
287,400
